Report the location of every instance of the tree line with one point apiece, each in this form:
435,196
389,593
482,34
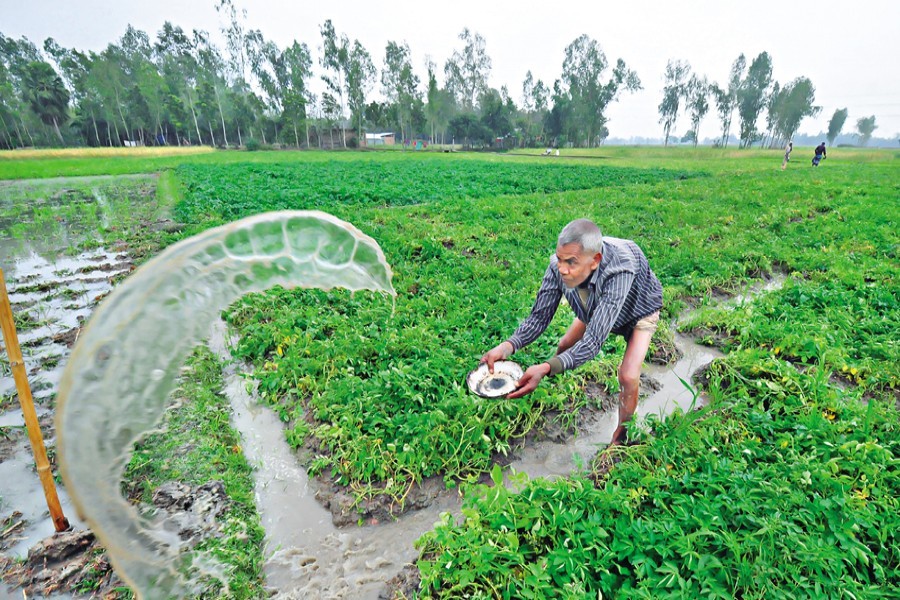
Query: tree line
749,92
181,88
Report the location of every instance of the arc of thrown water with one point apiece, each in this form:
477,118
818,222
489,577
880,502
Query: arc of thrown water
115,387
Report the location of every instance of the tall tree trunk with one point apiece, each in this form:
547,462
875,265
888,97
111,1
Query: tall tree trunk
212,138
194,115
118,135
19,134
121,115
306,124
6,133
240,141
221,115
296,137
96,131
28,133
108,135
58,132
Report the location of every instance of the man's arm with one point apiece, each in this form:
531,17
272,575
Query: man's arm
542,312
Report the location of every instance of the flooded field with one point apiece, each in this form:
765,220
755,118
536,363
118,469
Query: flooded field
65,245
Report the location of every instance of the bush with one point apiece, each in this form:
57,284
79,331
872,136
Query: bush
252,145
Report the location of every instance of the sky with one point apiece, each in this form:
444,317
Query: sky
847,49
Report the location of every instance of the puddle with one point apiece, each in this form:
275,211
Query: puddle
15,418
53,290
22,492
53,298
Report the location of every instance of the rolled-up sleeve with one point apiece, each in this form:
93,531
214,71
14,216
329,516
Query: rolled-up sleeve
612,297
542,312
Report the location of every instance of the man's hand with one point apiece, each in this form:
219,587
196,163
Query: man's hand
530,380
501,352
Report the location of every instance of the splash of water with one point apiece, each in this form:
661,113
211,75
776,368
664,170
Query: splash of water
115,388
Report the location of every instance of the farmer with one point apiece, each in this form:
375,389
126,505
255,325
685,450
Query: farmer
787,154
820,154
611,289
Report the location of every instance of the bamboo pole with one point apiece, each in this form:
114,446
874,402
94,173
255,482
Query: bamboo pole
14,352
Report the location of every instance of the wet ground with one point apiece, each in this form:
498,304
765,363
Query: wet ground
56,273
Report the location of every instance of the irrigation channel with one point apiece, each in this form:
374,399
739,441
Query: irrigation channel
307,554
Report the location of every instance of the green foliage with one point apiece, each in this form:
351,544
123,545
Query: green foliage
786,488
836,124
227,193
252,145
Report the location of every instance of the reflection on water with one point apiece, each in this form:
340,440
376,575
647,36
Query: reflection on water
49,218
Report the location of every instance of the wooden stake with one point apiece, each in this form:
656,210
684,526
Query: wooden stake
14,352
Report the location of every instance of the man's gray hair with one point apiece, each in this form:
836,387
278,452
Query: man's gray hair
583,232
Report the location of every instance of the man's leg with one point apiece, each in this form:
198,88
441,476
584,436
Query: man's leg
630,373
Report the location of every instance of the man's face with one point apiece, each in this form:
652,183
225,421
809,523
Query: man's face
576,265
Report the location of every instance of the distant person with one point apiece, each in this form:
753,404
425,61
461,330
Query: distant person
787,154
820,155
611,289
557,151
548,151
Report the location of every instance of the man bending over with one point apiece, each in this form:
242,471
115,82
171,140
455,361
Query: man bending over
611,289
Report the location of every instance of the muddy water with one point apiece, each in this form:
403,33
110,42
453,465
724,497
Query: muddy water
52,291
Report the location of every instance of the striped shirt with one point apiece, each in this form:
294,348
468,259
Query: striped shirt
619,293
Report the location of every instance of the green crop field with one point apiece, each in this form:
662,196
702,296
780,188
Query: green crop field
785,485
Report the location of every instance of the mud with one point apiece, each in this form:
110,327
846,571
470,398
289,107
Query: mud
73,560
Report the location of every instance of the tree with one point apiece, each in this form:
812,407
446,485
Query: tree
466,72
727,97
468,127
335,53
349,75
440,105
15,56
296,70
400,84
697,103
675,89
47,95
790,106
866,126
359,76
535,96
752,96
836,124
497,113
582,96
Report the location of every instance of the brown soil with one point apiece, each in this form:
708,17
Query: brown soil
68,338
74,562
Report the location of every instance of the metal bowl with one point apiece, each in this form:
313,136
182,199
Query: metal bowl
499,383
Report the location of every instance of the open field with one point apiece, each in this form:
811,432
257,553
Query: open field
785,485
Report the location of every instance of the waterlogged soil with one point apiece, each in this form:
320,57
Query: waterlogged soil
56,273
